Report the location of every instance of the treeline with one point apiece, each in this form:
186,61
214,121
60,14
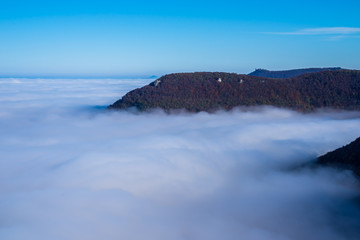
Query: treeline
209,91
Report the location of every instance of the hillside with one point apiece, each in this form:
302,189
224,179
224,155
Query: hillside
347,157
209,91
289,73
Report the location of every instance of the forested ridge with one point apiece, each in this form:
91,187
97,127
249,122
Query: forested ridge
347,157
289,73
209,91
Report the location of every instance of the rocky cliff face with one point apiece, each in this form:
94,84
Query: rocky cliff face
203,91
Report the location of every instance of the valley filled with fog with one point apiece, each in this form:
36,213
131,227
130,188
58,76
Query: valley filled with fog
70,169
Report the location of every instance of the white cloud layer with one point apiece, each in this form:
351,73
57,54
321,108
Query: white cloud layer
323,31
71,171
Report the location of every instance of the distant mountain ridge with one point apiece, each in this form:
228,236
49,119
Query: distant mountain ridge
289,73
209,91
347,157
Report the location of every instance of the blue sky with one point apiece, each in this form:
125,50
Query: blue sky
120,38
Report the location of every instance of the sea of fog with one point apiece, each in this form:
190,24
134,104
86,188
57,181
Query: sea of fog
71,170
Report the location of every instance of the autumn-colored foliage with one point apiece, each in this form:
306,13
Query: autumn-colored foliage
202,91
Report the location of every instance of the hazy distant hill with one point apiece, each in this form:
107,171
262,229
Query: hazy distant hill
288,73
347,157
208,91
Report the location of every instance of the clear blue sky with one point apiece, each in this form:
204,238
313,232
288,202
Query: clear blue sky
116,38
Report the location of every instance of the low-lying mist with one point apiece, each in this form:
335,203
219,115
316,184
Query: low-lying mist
71,170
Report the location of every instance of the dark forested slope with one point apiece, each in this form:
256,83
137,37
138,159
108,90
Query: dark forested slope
289,73
208,91
347,157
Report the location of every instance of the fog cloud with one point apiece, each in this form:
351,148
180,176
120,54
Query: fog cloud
71,170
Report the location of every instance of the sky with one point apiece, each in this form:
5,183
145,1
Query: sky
71,170
140,38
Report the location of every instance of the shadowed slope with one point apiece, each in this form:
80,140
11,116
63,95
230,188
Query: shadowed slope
347,157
